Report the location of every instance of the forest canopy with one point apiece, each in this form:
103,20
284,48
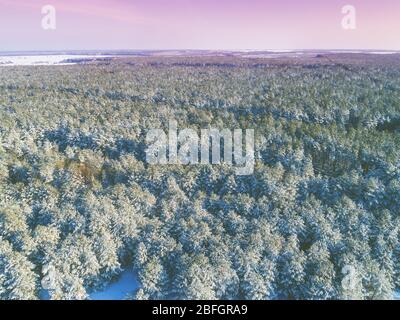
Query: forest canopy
79,203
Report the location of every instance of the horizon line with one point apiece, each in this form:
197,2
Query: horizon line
195,50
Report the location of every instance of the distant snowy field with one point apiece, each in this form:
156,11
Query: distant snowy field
69,58
46,60
305,53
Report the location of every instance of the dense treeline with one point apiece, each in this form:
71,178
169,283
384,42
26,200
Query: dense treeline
78,202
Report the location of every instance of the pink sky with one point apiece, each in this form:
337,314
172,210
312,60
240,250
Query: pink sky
199,24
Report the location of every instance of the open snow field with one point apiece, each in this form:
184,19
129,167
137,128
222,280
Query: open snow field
44,60
126,285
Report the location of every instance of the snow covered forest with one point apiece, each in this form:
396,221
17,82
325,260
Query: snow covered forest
79,203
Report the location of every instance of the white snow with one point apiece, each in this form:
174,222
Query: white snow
126,285
363,52
383,52
43,60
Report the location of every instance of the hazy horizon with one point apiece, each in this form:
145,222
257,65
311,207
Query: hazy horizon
133,51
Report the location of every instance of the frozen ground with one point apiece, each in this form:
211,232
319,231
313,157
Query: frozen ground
68,58
126,285
44,60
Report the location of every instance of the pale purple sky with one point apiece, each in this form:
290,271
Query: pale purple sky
199,24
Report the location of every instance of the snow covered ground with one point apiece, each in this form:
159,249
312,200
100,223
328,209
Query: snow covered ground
44,60
364,52
127,284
